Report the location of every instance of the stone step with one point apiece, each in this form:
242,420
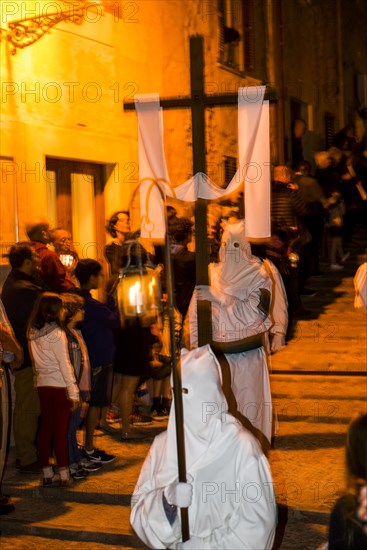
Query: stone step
316,400
328,366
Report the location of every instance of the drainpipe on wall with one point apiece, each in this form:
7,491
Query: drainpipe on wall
16,210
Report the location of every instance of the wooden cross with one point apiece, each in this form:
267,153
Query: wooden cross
198,102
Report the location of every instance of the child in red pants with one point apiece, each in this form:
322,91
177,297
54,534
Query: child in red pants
57,388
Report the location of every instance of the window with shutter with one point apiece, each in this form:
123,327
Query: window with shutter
329,129
230,33
249,34
230,167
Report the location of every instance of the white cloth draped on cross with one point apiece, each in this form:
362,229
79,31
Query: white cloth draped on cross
254,168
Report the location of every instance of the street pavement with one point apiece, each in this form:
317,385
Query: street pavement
319,381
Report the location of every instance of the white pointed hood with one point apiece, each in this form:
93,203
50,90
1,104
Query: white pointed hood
237,268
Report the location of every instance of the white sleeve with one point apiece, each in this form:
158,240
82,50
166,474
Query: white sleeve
253,523
60,349
191,325
279,302
360,285
148,517
85,380
235,318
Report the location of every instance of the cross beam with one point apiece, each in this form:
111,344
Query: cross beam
208,100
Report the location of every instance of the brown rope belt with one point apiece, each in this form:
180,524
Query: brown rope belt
239,346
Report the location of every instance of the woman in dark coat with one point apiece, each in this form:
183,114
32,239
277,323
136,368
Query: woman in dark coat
133,341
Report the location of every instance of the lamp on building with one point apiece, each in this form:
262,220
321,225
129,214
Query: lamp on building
25,31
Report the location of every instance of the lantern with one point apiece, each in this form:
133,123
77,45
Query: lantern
138,290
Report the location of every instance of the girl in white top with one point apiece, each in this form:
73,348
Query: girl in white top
56,384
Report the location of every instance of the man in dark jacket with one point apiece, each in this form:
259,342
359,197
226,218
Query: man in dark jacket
51,270
184,276
19,294
183,260
314,199
287,205
287,212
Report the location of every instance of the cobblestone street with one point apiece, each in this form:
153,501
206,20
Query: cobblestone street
318,383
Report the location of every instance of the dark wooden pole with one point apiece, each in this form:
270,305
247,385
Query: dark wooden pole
176,366
177,386
199,165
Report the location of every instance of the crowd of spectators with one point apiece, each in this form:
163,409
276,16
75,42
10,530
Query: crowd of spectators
82,362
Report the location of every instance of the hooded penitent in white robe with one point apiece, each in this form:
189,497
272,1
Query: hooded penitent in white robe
244,290
233,504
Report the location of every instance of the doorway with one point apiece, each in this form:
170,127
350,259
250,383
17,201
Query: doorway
75,198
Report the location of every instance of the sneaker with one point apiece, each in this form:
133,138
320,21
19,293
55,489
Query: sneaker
90,466
142,393
345,257
140,420
159,414
165,412
106,457
73,467
113,416
78,472
97,455
336,267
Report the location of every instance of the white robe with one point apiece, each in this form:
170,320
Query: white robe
239,278
233,503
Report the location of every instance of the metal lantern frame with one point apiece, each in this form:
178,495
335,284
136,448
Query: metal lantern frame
138,287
